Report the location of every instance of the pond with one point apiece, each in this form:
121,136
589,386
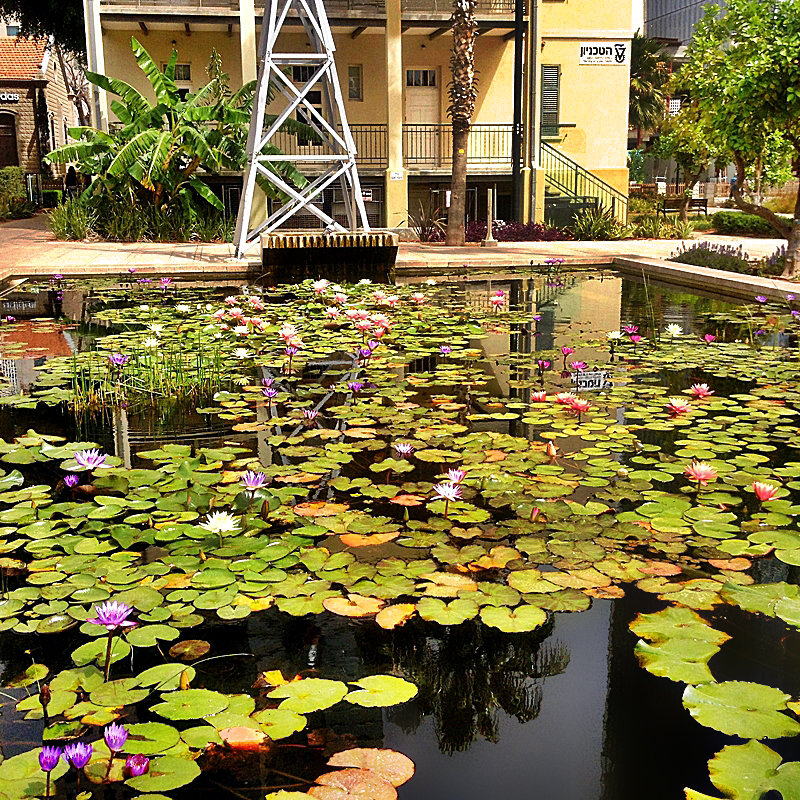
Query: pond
533,535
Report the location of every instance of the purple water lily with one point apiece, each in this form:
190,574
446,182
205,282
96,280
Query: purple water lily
253,480
165,282
115,735
448,491
137,765
269,392
267,382
112,615
90,459
48,758
77,754
291,350
355,386
404,450
144,280
456,475
57,276
578,366
118,360
445,349
71,480
760,298
310,413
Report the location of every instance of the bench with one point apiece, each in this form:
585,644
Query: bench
672,205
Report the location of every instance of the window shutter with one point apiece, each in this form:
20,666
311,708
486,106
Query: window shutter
551,79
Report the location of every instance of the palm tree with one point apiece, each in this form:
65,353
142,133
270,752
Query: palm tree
463,91
648,95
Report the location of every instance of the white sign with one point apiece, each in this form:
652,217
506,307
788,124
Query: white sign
9,97
605,53
661,186
396,176
593,381
366,195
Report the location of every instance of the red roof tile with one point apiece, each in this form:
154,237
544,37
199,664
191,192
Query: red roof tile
20,58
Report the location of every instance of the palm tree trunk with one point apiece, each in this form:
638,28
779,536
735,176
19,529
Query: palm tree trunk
458,187
463,92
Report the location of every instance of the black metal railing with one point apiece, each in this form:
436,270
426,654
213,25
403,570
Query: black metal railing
567,177
431,146
372,143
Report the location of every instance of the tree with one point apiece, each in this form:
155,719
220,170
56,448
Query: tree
61,19
462,91
649,75
158,152
744,74
685,138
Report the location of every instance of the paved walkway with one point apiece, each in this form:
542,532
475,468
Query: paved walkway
27,248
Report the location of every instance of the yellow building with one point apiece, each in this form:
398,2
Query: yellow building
393,63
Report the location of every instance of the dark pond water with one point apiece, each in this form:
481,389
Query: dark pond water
563,713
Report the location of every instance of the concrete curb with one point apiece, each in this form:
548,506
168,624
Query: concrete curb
730,284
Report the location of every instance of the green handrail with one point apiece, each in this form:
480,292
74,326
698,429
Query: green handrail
570,178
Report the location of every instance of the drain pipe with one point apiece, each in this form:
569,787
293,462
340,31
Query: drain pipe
516,130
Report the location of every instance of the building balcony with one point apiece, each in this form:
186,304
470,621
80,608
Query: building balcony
427,149
336,8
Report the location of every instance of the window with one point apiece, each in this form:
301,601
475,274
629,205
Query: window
551,90
674,105
12,30
315,99
303,74
183,73
420,77
354,83
53,142
66,130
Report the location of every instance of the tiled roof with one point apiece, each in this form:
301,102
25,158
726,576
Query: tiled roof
21,59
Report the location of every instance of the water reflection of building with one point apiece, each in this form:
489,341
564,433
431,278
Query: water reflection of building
27,346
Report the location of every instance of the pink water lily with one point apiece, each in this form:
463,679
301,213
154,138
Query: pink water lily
678,406
701,390
765,491
701,472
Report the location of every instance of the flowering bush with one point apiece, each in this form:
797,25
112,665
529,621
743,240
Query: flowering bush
514,232
730,258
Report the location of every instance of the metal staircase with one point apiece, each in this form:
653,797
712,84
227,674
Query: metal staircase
570,188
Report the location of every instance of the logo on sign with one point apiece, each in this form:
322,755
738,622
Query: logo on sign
9,97
604,53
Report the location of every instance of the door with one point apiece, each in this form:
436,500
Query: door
9,156
422,117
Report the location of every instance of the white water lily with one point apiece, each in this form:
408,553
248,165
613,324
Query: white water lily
220,522
155,328
431,282
242,330
241,352
144,308
182,308
151,342
674,330
364,282
614,335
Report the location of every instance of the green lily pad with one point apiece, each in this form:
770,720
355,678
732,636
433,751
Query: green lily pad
381,690
150,738
165,774
310,694
191,704
516,620
741,708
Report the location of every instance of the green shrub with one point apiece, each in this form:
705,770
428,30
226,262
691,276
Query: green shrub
52,197
702,222
652,228
12,182
736,224
597,224
15,208
683,230
730,258
73,220
642,204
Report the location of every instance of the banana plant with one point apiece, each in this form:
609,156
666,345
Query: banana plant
159,151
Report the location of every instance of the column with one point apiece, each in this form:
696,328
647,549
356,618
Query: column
396,175
95,60
247,37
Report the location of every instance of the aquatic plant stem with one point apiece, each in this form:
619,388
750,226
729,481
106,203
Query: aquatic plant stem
109,645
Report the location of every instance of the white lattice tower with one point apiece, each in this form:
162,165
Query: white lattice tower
329,123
